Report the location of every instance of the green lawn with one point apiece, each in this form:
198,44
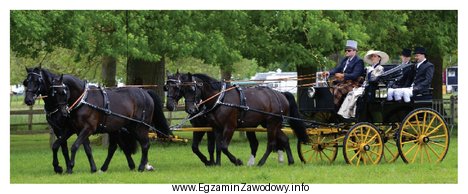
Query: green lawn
30,162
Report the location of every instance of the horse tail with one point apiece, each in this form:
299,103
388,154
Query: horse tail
127,142
298,126
159,120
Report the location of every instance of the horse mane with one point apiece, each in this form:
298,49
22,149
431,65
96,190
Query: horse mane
215,84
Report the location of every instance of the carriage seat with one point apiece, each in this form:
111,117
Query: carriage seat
424,97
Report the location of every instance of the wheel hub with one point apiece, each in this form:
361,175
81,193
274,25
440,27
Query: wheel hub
423,139
364,147
317,147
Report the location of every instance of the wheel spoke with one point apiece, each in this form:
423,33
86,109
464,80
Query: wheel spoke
419,124
424,123
427,153
370,158
433,151
430,124
367,135
408,134
351,159
411,141
438,136
359,159
414,129
411,148
416,154
373,137
434,130
325,154
306,151
437,144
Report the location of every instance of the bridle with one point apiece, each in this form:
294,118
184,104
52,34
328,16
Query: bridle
41,84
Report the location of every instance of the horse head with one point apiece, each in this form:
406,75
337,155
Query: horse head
191,91
172,88
36,84
61,93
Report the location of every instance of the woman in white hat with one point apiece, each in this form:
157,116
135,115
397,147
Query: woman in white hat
375,59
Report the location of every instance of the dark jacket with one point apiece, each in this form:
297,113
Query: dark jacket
406,78
423,78
353,71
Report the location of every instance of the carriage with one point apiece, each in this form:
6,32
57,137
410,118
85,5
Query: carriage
381,129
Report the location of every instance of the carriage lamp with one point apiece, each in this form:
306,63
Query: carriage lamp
311,92
381,93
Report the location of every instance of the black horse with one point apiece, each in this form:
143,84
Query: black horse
266,107
113,111
39,82
122,138
174,94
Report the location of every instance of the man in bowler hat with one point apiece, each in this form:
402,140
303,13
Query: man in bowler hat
416,81
404,80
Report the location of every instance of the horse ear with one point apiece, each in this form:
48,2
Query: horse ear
28,69
177,71
61,78
189,75
168,73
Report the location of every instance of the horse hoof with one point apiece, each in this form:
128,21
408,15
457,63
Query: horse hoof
70,171
239,162
148,167
58,170
251,161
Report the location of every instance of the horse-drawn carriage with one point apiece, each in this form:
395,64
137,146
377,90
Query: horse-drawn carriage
380,129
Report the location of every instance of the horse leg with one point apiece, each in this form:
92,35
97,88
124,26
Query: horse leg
197,138
89,154
84,134
284,143
218,137
61,141
227,136
253,147
142,137
271,134
110,151
57,143
211,146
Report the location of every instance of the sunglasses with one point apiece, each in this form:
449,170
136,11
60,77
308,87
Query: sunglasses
348,50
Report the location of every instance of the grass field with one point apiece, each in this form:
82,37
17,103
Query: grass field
30,162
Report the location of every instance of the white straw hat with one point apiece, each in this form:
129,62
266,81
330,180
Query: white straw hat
383,57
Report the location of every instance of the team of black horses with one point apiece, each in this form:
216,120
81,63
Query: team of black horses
128,114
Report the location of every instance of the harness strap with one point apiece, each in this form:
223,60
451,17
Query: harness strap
80,100
243,102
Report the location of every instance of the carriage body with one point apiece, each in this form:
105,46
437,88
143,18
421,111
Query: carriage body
381,130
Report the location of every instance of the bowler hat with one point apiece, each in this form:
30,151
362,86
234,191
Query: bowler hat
352,44
406,52
420,50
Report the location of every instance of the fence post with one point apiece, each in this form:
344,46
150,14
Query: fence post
30,118
452,110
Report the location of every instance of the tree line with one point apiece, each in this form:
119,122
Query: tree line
137,47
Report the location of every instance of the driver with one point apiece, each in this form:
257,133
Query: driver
349,73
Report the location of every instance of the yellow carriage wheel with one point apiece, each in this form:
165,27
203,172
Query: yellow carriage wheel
363,145
321,148
423,137
391,153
